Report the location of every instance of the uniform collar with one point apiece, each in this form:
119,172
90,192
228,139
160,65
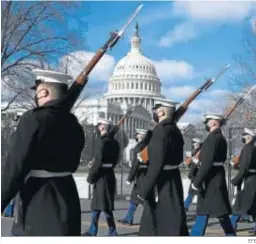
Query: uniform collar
105,135
52,103
218,130
167,121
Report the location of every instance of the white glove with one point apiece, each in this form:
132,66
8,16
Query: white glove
140,198
128,183
231,162
139,157
195,160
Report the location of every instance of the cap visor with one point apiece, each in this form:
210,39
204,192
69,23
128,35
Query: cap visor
156,107
37,82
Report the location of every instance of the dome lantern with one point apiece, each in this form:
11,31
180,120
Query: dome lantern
135,41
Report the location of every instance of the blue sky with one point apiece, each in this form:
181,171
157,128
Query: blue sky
188,41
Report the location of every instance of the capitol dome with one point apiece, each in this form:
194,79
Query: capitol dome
134,77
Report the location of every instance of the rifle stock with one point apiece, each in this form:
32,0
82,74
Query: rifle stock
231,110
235,160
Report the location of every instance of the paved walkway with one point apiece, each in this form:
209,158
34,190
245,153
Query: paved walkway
213,229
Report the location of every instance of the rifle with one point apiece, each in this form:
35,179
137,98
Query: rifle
239,102
82,79
116,127
184,106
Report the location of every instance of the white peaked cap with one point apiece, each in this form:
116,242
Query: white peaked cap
51,76
250,132
141,131
213,116
164,103
104,121
198,140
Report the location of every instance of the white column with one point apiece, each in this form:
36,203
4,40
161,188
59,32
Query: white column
130,127
125,126
145,103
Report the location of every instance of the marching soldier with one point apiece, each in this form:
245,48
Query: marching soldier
161,190
210,183
42,156
102,176
246,178
235,164
194,166
137,172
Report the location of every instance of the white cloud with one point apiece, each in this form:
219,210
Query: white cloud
204,105
178,92
180,33
151,15
218,93
173,70
78,60
214,101
214,11
199,17
191,117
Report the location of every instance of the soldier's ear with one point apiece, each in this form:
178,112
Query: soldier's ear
162,112
44,93
211,123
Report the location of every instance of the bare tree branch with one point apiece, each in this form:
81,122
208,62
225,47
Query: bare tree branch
34,35
243,78
10,102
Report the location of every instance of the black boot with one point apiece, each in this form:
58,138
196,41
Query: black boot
125,222
86,234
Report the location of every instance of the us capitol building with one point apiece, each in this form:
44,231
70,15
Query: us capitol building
134,82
